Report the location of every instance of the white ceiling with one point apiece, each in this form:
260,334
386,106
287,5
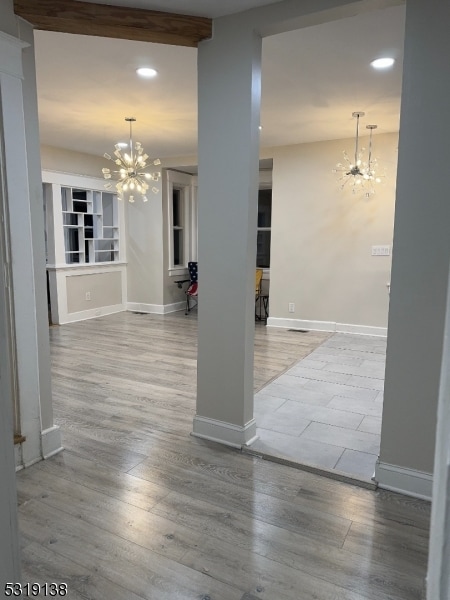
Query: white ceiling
312,81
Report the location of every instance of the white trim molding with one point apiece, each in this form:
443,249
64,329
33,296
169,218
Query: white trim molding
187,186
51,441
361,329
92,313
228,434
50,445
403,480
155,309
11,55
326,326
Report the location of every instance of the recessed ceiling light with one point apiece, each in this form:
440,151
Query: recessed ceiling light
382,63
146,72
260,127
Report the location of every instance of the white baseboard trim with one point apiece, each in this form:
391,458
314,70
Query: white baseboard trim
18,457
32,462
92,313
361,329
156,309
228,434
51,441
330,326
404,481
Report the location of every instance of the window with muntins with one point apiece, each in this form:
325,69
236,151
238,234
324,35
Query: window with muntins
178,226
182,219
264,228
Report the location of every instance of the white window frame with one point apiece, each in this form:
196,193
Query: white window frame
187,184
265,183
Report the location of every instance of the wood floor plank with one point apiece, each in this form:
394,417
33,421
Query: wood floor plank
232,497
102,511
136,508
295,549
123,563
40,564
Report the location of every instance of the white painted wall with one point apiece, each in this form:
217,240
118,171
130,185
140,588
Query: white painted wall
67,161
322,237
145,252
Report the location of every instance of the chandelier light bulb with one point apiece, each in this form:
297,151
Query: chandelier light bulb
132,168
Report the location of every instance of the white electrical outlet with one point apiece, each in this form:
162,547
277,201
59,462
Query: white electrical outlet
291,307
88,295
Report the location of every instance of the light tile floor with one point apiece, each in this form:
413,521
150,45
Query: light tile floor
326,410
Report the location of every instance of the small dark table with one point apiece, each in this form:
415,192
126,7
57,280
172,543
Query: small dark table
262,307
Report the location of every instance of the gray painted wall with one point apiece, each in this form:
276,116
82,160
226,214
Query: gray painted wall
421,243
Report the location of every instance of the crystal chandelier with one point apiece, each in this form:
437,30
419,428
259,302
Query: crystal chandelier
132,170
355,173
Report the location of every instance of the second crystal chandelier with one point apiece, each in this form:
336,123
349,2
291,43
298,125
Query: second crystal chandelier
355,173
132,170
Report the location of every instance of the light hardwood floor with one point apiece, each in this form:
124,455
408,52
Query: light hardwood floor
136,508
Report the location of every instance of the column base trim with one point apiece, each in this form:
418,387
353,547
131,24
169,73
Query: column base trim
156,309
221,432
402,480
51,441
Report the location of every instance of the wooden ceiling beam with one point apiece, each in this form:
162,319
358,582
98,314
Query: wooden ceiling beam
86,18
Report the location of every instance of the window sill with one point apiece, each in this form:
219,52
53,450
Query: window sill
66,267
177,271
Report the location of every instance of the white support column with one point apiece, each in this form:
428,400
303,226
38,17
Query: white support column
50,434
9,535
421,255
229,101
438,577
24,198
